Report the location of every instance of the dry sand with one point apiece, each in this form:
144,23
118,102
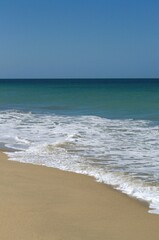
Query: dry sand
44,203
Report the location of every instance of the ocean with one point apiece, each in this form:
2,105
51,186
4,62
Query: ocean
105,128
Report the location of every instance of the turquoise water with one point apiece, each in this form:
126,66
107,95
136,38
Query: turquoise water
137,99
108,129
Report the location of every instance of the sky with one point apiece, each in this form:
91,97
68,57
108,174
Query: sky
79,39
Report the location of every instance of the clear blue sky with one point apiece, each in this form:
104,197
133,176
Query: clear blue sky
79,38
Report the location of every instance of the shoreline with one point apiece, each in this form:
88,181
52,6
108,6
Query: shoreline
45,203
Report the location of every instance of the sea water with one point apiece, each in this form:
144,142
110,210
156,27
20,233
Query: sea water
106,128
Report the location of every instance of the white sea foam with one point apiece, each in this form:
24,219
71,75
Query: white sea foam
123,153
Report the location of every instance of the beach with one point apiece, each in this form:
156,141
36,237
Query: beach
107,129
45,203
79,120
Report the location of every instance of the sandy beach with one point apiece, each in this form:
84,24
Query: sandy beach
45,203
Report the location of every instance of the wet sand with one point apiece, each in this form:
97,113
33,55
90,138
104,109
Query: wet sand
40,203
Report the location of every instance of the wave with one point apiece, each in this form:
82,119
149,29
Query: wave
122,153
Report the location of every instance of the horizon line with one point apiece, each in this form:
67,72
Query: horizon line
75,78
